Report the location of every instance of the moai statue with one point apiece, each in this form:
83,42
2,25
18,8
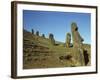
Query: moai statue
77,39
51,37
68,40
32,31
37,33
77,42
43,35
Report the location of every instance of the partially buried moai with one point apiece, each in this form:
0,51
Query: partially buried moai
68,40
32,31
77,42
51,37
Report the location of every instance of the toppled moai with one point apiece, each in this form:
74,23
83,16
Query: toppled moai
68,40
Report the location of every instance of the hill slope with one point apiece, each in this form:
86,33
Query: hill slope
38,52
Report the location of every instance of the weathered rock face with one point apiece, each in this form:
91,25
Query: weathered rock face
68,40
77,39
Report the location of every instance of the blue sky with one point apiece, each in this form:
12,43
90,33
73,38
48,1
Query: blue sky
58,23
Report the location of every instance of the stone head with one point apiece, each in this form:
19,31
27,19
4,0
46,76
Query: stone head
74,26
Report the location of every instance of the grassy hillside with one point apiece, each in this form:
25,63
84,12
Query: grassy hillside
38,52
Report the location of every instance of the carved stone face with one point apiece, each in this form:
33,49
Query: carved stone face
74,27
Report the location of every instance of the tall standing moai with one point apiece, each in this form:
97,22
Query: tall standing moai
68,40
78,42
77,39
51,37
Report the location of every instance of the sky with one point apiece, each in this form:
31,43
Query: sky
57,23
